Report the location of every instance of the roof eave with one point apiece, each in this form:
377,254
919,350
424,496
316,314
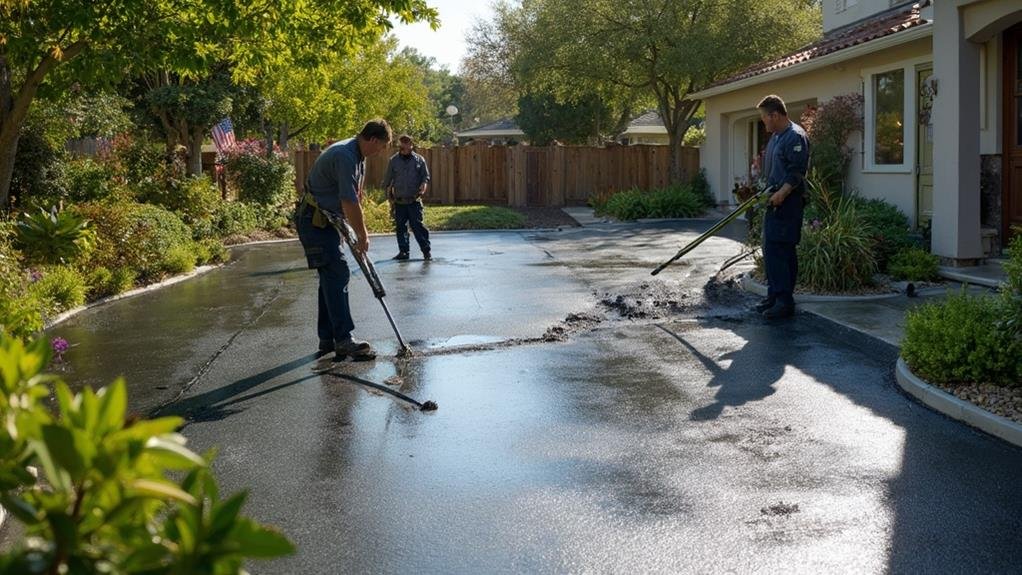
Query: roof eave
910,35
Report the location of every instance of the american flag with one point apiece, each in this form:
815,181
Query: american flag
223,136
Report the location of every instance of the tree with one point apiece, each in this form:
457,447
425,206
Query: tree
543,119
46,46
647,50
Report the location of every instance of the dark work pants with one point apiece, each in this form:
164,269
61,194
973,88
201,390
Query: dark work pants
406,215
323,252
781,262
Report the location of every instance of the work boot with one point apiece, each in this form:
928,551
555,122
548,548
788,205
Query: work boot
326,346
765,304
358,350
779,311
401,256
427,256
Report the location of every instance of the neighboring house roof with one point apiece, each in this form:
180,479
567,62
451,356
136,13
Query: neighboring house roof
896,21
501,128
647,123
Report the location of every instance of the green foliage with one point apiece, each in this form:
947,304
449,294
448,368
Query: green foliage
545,118
695,136
136,236
234,218
701,188
104,283
180,259
956,341
211,251
114,495
829,126
85,180
20,310
59,289
887,225
1011,293
376,212
194,198
1013,265
836,254
258,177
36,170
914,264
670,202
54,237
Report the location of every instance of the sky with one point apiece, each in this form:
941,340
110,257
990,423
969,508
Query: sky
447,44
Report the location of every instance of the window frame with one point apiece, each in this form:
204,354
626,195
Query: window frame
910,118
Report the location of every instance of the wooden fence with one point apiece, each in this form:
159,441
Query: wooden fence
531,176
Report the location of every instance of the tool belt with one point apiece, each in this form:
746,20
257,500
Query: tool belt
318,218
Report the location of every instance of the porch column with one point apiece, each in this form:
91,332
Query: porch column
956,171
714,153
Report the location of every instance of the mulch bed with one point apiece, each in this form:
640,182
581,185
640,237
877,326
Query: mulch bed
546,218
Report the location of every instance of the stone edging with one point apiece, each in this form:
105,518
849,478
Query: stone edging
752,286
959,409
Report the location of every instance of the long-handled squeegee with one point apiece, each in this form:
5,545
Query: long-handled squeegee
369,271
741,209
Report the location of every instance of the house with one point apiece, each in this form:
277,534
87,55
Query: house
944,78
648,128
500,132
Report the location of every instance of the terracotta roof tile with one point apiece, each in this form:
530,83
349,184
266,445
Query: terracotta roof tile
879,26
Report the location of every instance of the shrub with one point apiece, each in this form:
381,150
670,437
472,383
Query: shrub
60,288
193,198
836,254
85,180
829,126
20,311
701,188
212,251
261,178
180,259
36,170
1012,291
914,264
232,218
694,136
104,283
136,236
670,202
955,341
888,226
54,237
111,494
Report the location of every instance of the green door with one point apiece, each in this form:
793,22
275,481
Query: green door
924,143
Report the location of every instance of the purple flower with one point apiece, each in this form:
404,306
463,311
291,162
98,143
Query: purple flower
817,224
59,345
34,275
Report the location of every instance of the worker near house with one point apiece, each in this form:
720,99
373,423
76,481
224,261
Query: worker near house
406,181
786,163
335,184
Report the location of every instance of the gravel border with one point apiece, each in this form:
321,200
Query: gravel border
750,285
955,408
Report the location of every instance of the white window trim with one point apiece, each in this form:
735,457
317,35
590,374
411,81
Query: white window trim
911,118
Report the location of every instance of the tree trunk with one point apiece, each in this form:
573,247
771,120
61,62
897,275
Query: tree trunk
195,152
283,136
8,150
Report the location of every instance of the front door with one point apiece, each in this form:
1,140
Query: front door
924,141
1012,177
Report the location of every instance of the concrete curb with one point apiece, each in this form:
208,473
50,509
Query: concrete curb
752,286
951,274
959,409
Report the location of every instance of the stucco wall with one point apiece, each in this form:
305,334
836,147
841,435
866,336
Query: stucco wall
721,153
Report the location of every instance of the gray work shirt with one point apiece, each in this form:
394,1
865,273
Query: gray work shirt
337,175
787,158
406,174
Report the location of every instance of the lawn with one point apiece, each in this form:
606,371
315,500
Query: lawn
378,220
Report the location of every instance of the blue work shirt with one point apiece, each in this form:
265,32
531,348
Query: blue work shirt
406,174
337,175
787,158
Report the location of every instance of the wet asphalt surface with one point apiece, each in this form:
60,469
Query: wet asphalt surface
591,418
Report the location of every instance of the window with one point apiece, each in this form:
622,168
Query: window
888,118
